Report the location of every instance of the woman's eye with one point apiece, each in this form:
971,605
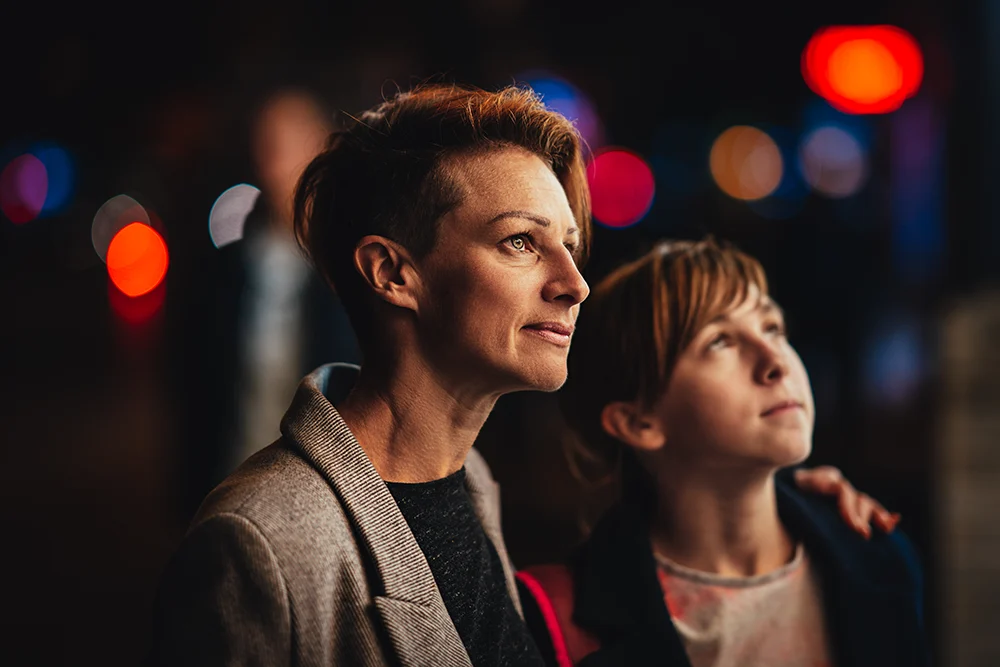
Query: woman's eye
518,242
775,328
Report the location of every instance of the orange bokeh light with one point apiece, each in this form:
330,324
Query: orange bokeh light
863,69
137,259
746,163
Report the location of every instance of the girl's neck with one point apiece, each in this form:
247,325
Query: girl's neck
720,523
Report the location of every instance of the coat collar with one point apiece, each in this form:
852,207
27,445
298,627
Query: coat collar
870,611
410,605
871,587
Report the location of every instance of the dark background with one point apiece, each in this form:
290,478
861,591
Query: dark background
153,101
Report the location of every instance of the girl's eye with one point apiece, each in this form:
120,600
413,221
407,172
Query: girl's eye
775,328
719,342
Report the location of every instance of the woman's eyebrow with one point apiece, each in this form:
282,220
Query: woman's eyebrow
539,220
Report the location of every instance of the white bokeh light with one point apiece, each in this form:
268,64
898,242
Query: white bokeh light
229,214
113,216
833,162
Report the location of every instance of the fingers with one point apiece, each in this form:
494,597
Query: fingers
823,479
886,520
859,510
828,480
870,511
846,503
863,508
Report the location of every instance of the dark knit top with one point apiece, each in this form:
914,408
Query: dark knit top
467,570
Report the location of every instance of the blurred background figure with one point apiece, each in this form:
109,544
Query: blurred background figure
288,322
272,318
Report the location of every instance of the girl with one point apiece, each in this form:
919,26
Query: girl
681,378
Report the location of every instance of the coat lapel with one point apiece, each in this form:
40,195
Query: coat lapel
485,495
411,608
420,634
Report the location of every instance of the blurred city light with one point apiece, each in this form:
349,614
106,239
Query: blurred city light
863,69
895,360
113,216
833,162
565,98
61,177
746,163
817,113
621,187
24,183
229,214
788,199
137,259
137,310
917,191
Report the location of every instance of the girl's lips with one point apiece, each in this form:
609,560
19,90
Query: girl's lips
781,407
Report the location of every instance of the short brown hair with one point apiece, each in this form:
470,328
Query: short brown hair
381,174
633,327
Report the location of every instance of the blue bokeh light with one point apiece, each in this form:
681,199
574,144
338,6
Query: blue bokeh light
62,181
565,98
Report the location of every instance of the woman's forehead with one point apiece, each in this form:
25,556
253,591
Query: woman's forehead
496,183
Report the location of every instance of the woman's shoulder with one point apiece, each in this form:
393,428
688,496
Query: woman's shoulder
283,496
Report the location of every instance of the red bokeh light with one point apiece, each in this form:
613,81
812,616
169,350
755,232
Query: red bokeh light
621,187
863,69
137,310
137,259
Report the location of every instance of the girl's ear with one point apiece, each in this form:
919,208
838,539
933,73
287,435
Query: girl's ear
627,422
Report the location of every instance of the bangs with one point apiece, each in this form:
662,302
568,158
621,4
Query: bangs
694,284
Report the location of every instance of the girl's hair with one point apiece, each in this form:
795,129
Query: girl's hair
635,324
382,174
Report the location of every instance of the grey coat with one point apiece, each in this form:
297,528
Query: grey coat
301,557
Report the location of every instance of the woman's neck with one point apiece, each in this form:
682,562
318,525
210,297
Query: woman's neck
720,523
412,426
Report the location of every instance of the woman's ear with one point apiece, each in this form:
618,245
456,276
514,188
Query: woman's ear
627,422
389,270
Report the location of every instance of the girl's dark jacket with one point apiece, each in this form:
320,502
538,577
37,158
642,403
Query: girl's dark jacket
872,590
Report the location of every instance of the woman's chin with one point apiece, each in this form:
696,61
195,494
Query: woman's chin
542,378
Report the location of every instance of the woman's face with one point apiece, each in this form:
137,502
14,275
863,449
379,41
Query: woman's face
739,394
504,289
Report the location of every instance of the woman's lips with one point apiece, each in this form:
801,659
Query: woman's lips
556,334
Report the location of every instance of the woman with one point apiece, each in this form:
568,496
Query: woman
451,222
711,558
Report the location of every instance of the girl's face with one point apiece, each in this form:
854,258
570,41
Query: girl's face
739,395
